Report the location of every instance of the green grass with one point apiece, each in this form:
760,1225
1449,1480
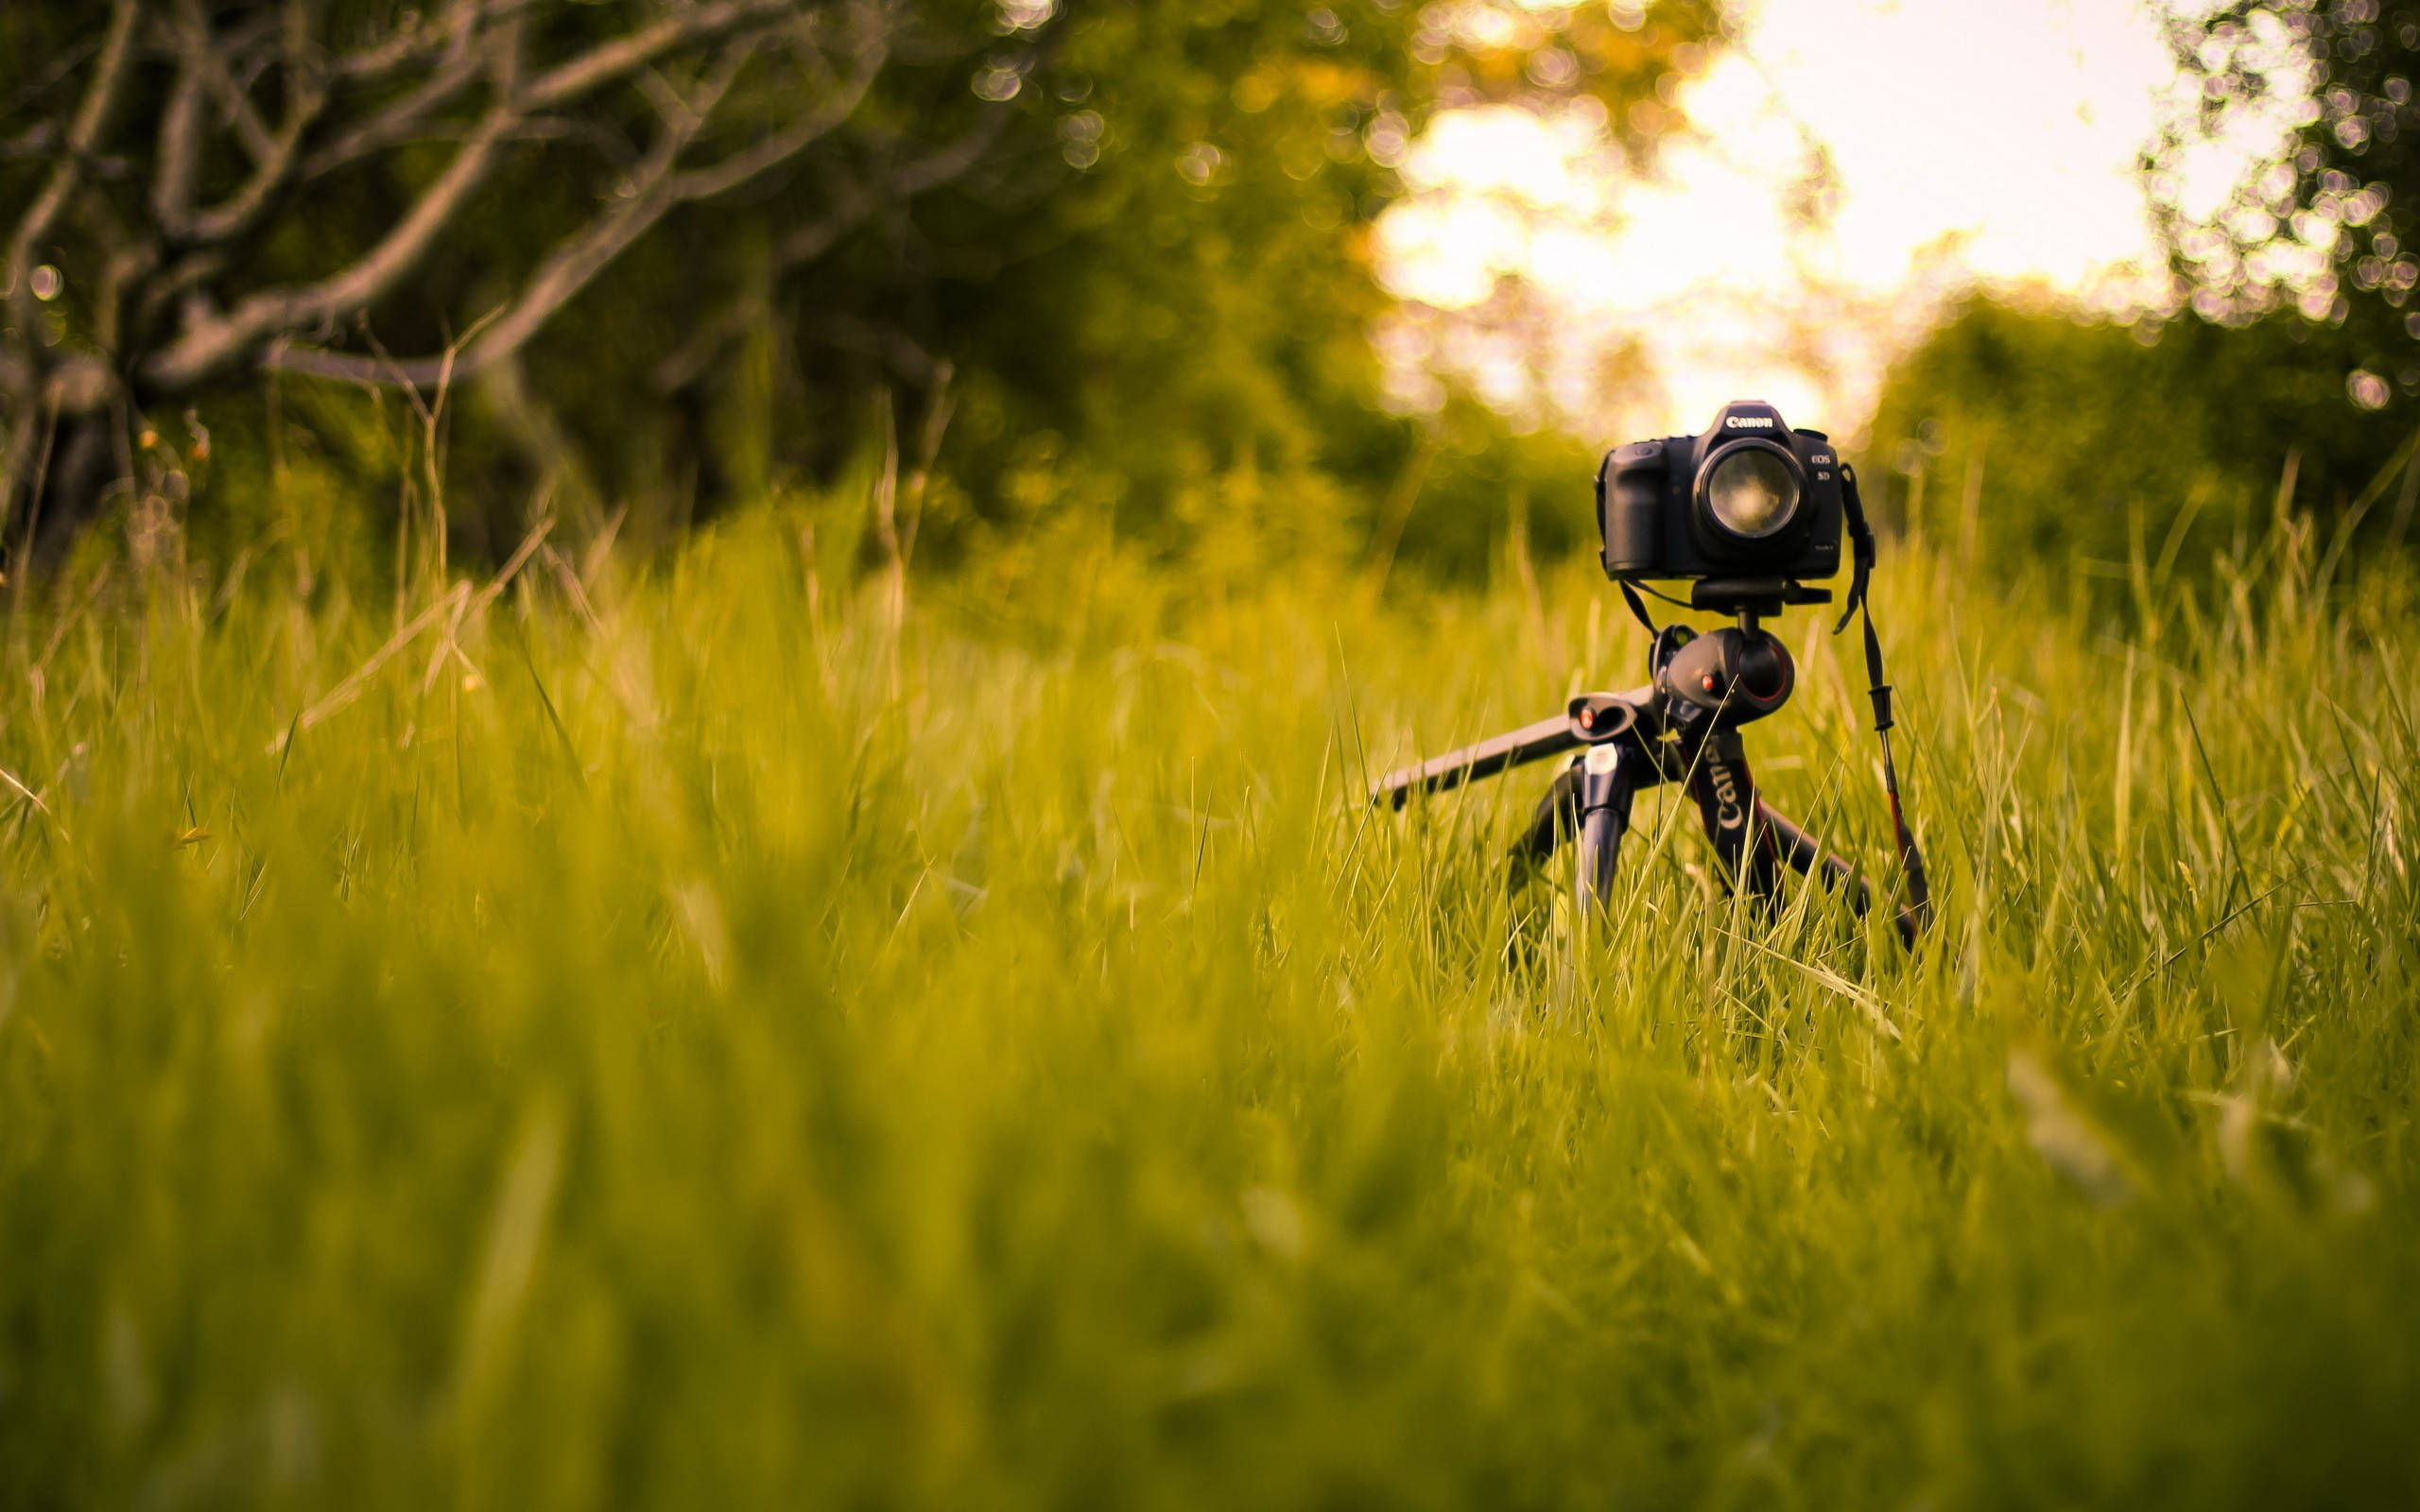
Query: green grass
719,1056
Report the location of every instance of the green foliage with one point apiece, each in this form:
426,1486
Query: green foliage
1120,246
684,1043
1482,480
2029,437
1193,319
1168,332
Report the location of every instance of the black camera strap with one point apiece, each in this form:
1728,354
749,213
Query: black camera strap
1638,606
1917,911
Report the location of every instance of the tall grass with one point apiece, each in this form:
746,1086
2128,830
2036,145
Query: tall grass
670,1040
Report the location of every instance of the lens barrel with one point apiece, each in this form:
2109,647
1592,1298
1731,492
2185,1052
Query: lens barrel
1748,489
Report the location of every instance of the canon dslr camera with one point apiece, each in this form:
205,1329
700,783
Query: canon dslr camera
1750,499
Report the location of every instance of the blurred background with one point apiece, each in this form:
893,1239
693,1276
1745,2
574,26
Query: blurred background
528,978
1364,282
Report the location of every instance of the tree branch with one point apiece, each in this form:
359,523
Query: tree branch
35,140
955,160
190,30
778,148
611,60
213,343
92,114
180,277
408,117
67,62
306,96
400,121
446,35
179,151
850,208
575,260
655,188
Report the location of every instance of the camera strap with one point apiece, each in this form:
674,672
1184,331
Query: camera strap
1638,606
1917,912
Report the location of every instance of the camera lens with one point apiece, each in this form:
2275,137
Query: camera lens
1751,492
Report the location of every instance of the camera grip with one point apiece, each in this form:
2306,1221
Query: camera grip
1630,491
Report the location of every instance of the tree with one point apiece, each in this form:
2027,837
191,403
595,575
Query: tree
2326,222
2331,217
2027,438
1129,226
227,190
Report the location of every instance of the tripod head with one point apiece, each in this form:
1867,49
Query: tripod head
1765,596
1723,678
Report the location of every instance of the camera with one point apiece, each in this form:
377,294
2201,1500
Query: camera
1750,499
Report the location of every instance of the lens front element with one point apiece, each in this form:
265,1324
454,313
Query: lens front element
1750,493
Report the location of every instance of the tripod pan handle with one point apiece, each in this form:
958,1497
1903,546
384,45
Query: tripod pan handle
1590,720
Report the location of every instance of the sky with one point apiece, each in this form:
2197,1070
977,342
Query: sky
1967,140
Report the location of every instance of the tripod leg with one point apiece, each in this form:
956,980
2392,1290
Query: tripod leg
1610,776
1558,815
1807,854
1727,796
1804,851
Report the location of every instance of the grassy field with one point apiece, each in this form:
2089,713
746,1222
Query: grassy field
687,1045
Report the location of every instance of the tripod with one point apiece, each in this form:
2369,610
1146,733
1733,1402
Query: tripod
1682,728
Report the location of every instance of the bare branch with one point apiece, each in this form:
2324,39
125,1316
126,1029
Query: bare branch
446,35
849,208
181,134
572,264
611,60
408,118
683,366
92,114
671,105
130,258
778,148
67,62
252,48
306,97
213,343
610,145
190,29
955,160
806,243
38,140
654,189
400,121
179,151
301,16
575,260
180,279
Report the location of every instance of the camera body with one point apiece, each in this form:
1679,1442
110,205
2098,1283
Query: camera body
1749,499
